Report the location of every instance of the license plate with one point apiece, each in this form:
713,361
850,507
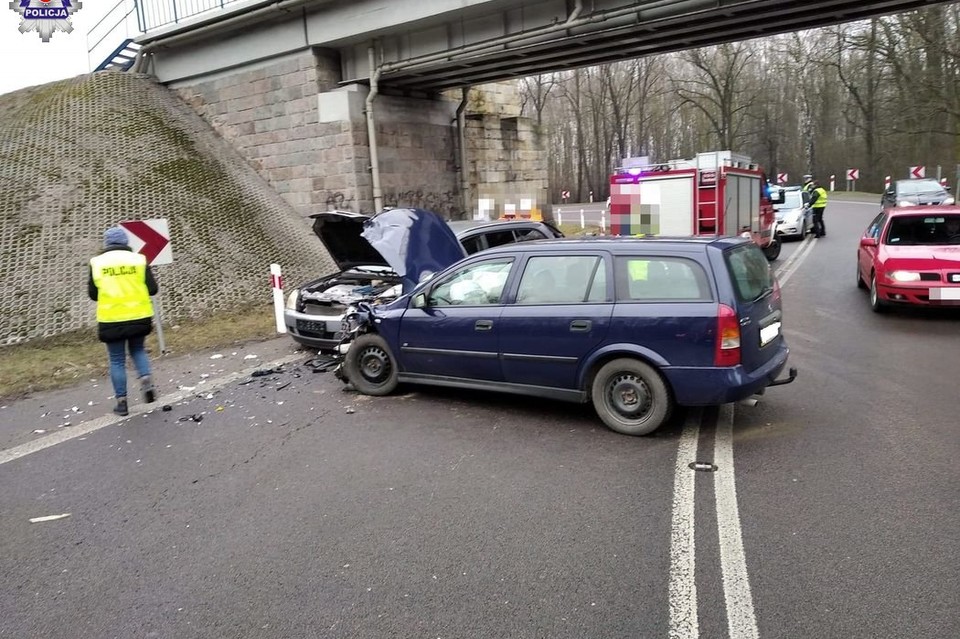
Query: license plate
310,326
769,333
951,294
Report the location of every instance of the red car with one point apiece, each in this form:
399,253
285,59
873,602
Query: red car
911,255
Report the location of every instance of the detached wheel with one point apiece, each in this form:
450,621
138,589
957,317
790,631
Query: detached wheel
773,250
630,397
370,366
877,305
860,283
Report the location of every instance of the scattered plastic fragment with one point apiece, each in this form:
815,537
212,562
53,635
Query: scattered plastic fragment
191,418
262,372
350,410
219,408
216,356
250,356
282,386
39,431
37,520
166,408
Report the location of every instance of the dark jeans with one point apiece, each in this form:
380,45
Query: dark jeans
819,228
117,352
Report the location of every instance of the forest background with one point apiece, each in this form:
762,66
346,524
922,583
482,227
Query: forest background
880,96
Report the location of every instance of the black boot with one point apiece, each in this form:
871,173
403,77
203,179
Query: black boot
121,407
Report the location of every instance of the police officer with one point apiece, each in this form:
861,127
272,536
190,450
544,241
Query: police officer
121,284
818,202
807,183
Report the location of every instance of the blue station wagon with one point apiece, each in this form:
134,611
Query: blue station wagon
634,325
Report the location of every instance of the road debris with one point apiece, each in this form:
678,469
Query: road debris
216,356
37,520
191,418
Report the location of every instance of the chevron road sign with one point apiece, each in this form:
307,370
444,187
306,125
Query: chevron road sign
151,238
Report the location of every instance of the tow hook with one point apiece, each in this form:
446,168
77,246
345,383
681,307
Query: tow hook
790,377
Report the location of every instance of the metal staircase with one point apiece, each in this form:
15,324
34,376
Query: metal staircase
122,58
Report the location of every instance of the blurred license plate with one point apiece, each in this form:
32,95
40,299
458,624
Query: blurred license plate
769,333
309,326
945,293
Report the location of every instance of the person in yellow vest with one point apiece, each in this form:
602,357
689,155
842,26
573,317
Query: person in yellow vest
121,284
818,202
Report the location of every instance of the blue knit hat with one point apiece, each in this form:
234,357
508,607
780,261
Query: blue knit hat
115,236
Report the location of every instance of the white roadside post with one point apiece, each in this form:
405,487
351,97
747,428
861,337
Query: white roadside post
559,217
583,224
833,180
603,222
276,282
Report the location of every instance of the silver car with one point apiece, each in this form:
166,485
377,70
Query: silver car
794,215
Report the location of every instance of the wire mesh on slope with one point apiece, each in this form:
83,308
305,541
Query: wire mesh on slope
79,155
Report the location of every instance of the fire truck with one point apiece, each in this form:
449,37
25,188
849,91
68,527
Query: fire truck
711,194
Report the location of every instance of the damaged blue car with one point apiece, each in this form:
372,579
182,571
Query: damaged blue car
634,326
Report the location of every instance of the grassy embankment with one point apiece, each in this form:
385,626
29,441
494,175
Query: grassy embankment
64,360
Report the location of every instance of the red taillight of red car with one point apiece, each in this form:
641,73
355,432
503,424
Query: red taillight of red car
728,337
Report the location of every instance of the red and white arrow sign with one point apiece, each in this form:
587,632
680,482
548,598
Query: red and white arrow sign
853,174
781,178
150,238
917,172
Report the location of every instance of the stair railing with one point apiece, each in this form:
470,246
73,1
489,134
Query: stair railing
113,19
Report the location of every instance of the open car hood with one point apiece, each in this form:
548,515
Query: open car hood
340,232
414,242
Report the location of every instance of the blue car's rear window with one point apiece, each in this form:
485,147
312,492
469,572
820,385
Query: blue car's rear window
751,273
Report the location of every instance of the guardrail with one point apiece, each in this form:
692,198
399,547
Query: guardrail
153,14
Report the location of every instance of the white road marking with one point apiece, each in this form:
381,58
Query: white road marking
785,272
741,620
682,588
84,428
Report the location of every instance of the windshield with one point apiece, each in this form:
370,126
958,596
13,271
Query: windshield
791,200
921,230
914,187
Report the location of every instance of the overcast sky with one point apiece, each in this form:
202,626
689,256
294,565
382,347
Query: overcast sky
28,61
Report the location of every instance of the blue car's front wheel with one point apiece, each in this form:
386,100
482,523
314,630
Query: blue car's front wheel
630,397
370,366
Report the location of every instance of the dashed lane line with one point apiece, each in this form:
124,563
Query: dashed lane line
90,426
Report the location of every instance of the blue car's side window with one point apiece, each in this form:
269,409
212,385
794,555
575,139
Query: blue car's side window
474,285
641,279
559,279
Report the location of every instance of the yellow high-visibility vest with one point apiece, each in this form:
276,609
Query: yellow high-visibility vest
121,280
822,199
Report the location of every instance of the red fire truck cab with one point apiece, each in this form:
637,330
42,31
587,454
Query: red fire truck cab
715,193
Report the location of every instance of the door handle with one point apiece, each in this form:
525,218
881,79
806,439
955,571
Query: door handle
580,325
483,325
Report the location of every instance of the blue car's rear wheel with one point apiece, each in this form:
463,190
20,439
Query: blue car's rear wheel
370,366
630,397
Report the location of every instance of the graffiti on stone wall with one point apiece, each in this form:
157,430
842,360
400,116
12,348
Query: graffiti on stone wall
446,203
337,201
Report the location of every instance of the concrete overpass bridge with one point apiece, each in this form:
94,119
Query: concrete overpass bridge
348,103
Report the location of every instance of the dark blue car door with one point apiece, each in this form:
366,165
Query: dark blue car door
456,333
559,313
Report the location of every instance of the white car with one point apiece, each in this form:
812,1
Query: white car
794,215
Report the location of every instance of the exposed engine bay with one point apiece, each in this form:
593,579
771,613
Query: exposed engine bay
332,296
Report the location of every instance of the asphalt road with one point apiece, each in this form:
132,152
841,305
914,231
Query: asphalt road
295,509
